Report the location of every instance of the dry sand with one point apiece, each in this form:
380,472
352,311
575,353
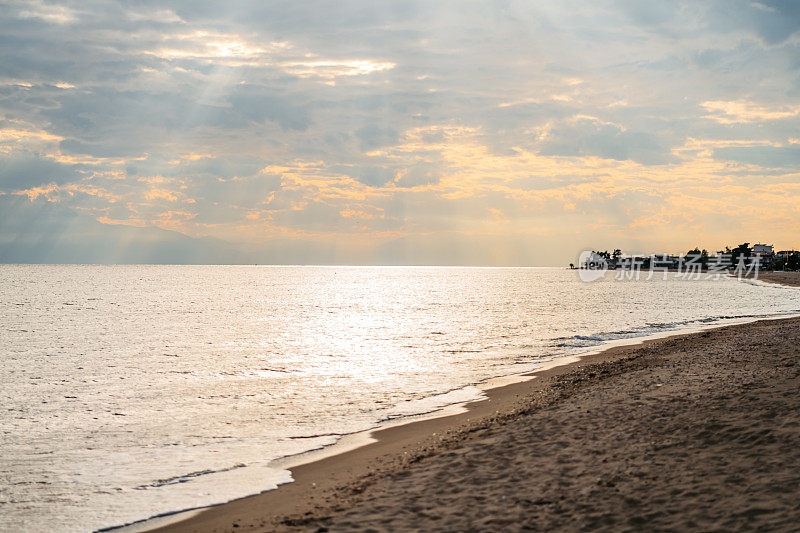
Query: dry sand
694,432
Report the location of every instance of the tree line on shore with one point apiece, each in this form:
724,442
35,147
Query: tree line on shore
729,257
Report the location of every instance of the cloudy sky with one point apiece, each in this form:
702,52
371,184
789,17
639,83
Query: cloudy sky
365,132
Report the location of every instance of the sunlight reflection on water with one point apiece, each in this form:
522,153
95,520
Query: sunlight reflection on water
135,390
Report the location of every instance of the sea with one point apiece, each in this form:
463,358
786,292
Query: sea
133,391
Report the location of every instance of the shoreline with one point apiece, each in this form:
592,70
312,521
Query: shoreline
318,474
351,442
387,444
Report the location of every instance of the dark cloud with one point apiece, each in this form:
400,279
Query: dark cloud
247,192
23,170
373,136
372,175
420,174
775,20
765,156
220,168
589,137
33,232
255,104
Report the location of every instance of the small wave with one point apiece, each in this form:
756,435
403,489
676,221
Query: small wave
318,436
585,341
579,337
186,477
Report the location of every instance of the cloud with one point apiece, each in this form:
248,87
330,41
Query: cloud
331,69
49,13
763,156
161,16
373,136
24,170
745,112
403,124
589,136
45,233
774,20
420,174
372,175
251,105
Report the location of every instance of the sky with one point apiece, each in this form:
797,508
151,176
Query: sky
362,132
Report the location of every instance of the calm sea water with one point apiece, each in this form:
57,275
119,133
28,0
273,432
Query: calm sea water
129,391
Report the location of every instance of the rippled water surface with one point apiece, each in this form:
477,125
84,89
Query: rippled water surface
129,391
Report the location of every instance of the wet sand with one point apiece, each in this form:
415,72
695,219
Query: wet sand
791,279
692,432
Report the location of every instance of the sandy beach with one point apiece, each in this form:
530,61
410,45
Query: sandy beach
691,432
791,279
399,266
